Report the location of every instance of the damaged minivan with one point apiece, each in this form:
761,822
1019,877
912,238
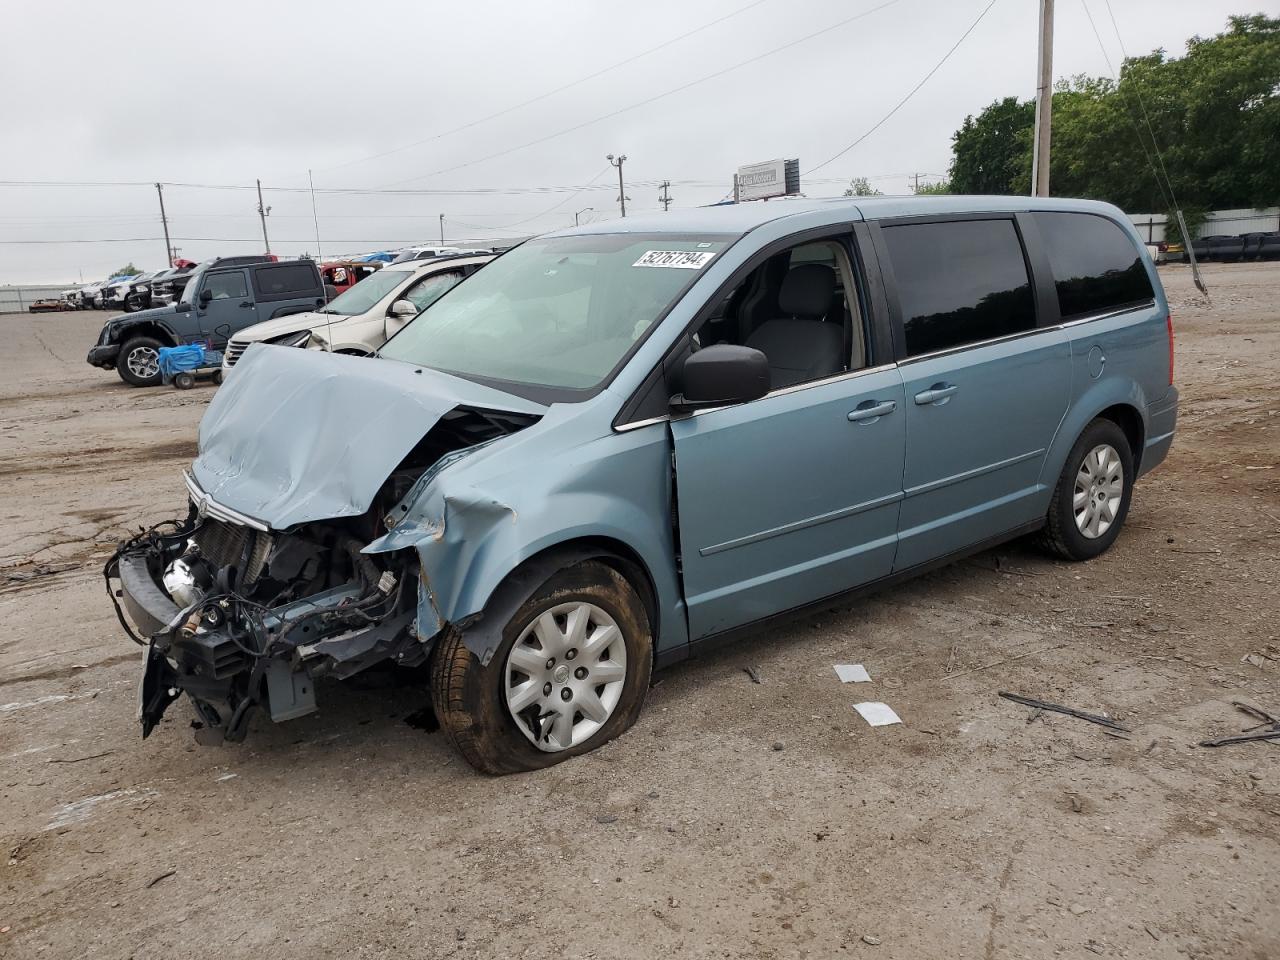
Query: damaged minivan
620,444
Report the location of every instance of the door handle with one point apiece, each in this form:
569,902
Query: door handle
245,303
939,393
870,410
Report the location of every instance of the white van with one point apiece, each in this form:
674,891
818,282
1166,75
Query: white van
360,320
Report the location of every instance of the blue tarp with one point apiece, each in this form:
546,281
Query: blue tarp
191,356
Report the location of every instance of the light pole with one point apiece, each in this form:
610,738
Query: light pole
580,213
263,213
622,192
442,229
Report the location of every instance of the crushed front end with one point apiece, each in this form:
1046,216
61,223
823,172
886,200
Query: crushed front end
239,616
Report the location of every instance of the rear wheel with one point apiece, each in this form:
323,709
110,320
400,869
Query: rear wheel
1091,500
139,362
570,674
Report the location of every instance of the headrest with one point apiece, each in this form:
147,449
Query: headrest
806,290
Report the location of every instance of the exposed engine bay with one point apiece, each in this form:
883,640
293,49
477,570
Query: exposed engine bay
238,615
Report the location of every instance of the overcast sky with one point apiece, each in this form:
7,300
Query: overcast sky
145,91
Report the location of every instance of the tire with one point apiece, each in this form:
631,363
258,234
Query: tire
133,303
1092,497
130,363
217,378
184,381
471,702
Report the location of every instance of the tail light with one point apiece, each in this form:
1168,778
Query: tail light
1168,322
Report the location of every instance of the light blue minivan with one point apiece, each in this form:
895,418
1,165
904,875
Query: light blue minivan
621,443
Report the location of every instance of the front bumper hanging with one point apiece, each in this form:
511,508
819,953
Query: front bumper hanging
231,655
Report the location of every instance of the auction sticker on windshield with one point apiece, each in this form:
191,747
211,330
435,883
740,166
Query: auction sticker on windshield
678,259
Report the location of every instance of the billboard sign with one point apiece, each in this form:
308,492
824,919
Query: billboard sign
773,178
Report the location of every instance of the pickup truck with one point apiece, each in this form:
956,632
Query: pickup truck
220,298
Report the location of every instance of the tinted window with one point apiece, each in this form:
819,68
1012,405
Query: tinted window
1096,266
226,286
959,282
285,278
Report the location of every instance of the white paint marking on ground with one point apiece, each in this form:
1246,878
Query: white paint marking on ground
80,810
44,749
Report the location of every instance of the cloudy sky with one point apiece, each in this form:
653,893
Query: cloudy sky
497,114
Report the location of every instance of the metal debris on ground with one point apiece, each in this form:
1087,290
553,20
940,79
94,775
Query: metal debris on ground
753,673
1069,711
852,673
877,714
1267,729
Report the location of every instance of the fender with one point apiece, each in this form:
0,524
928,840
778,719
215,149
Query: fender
1101,394
470,537
120,328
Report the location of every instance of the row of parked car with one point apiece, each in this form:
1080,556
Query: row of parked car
228,303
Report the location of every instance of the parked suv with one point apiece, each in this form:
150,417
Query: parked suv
220,297
360,320
620,444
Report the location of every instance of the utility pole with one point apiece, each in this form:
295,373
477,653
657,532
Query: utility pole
736,189
622,193
442,229
168,250
262,215
665,199
1044,104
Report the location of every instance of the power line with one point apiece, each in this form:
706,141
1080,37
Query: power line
551,93
655,97
901,103
1165,196
1138,93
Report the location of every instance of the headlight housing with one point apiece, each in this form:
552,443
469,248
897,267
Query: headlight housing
299,339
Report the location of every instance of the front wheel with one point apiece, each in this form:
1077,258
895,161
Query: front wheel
139,362
570,674
1092,497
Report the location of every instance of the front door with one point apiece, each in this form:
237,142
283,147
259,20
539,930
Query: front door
788,499
230,309
985,388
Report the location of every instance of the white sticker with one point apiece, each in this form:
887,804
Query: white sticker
676,259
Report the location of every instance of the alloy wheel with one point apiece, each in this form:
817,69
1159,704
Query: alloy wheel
564,676
143,362
1099,489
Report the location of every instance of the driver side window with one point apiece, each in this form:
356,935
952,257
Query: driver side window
801,309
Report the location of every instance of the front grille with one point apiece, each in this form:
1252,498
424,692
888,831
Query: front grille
222,544
235,349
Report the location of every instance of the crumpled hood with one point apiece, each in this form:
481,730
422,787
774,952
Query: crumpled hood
278,327
303,435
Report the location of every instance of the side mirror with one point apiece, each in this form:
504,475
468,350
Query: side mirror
206,295
720,375
404,310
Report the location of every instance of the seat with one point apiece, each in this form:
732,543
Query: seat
800,345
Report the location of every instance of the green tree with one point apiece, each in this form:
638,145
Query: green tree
940,188
861,187
987,150
127,270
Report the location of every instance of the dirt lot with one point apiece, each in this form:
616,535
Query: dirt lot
737,819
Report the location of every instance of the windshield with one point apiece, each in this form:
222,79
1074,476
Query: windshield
361,297
193,283
557,312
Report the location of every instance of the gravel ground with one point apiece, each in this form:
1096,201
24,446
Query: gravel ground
736,819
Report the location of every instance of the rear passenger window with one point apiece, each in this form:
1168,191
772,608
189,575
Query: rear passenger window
1096,266
287,278
959,281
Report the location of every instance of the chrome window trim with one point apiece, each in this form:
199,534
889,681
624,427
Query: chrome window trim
206,506
780,392
1107,314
